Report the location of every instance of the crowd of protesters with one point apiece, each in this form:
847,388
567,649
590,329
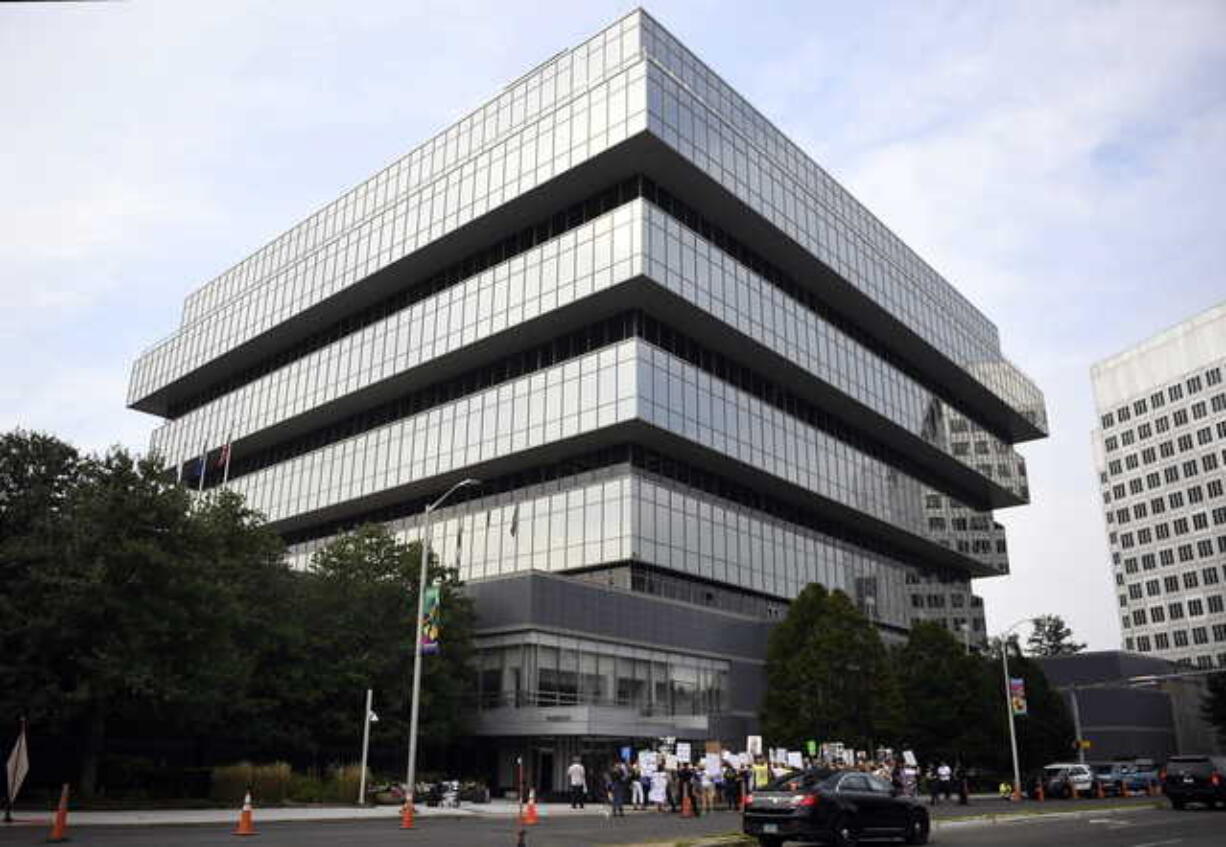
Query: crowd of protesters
699,790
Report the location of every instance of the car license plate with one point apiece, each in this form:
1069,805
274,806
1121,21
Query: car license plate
1187,779
770,827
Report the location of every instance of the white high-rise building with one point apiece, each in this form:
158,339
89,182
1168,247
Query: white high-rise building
1160,450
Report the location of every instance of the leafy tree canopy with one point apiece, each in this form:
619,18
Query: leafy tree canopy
828,675
1051,636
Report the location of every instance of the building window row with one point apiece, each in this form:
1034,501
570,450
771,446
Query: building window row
1173,394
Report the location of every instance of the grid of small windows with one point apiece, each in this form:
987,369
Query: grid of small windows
1164,495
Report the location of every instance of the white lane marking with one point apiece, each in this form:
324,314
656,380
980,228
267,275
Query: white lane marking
1160,843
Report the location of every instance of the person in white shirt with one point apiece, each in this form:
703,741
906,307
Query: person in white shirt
576,776
945,777
659,789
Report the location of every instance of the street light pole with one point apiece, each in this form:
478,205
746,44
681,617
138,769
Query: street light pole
1017,774
1081,748
411,777
365,748
1004,663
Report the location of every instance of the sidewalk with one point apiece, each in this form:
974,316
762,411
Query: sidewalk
170,817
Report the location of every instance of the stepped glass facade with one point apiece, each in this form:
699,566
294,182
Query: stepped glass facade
691,371
1161,459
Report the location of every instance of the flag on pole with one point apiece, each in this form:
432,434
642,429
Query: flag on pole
18,765
515,521
204,465
430,621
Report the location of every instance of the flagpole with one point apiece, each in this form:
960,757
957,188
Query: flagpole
225,474
204,466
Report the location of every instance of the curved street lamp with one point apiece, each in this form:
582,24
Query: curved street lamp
411,777
1004,662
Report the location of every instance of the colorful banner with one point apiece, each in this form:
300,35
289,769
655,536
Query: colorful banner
430,621
1017,696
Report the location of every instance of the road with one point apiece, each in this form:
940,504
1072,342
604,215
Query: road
1132,828
1148,828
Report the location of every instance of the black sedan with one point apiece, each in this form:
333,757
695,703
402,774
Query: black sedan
832,807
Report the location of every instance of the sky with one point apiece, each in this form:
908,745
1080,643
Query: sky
1060,163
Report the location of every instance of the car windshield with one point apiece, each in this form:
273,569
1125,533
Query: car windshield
799,780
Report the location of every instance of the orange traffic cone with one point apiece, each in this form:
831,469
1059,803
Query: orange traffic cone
406,815
59,829
530,815
1098,790
244,818
687,806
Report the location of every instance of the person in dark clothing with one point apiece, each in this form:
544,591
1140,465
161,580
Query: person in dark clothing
618,785
960,781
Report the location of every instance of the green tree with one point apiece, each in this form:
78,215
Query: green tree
944,691
1213,708
359,602
122,600
828,675
1051,636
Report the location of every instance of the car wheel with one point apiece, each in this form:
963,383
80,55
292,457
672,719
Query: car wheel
845,834
1178,804
917,830
769,841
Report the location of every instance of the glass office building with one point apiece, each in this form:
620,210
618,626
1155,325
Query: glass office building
1160,453
693,373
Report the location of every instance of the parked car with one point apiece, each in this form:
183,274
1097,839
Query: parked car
1121,778
1195,779
1062,779
832,807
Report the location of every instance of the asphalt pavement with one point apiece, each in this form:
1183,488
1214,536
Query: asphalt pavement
1087,824
1153,827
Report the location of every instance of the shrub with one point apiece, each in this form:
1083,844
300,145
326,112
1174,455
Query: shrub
306,788
343,783
269,784
230,782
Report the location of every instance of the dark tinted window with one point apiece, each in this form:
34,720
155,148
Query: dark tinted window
854,782
798,780
1200,765
879,785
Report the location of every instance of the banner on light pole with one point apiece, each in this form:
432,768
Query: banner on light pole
430,621
1017,696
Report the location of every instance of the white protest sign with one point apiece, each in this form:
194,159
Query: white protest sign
683,752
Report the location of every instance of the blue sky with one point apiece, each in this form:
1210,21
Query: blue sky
1061,163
